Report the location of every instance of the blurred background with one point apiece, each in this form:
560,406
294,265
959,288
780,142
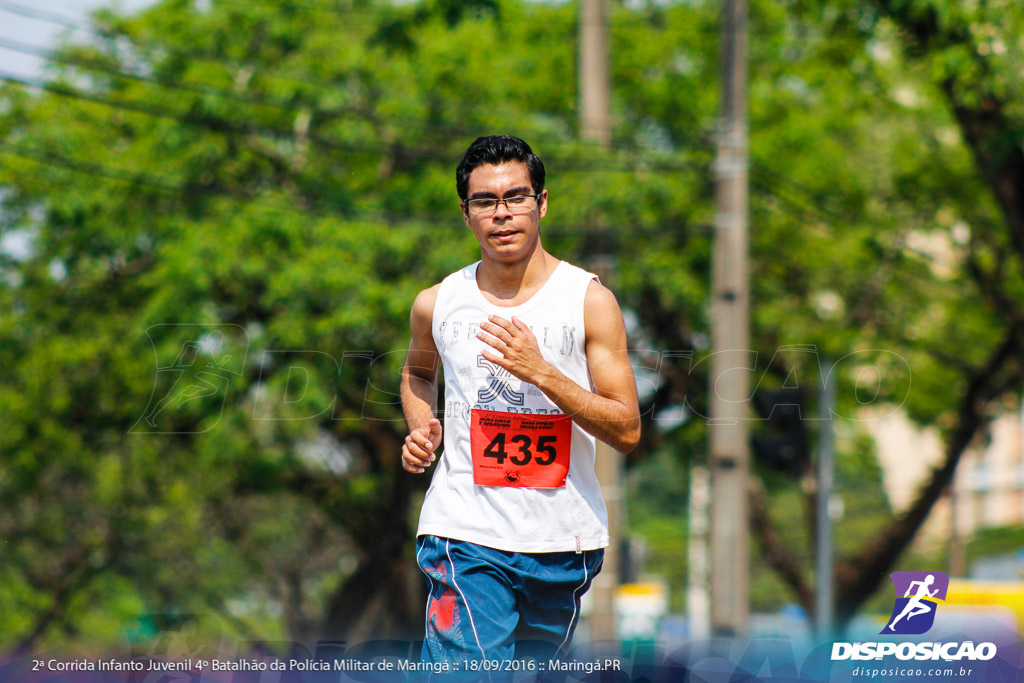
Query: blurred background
215,215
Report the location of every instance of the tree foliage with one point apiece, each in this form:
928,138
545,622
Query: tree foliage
273,183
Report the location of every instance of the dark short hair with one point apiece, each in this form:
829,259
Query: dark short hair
497,149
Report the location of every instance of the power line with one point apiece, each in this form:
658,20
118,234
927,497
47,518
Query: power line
770,180
217,124
169,186
220,124
217,60
620,21
41,15
180,189
98,66
95,170
190,55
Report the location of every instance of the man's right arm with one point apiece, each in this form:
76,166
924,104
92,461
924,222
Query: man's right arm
419,386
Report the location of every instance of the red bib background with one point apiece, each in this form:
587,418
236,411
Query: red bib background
517,449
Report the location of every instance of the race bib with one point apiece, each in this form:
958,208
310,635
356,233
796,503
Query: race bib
517,449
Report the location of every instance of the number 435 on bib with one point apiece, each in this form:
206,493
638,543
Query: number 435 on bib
521,450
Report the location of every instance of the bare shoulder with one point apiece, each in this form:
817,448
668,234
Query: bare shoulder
422,313
601,310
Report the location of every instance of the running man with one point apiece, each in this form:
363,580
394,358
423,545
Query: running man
916,605
513,526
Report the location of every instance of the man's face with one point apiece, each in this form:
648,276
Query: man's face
504,235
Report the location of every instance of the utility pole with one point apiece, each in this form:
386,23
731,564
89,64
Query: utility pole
603,619
825,597
729,389
595,88
595,126
698,604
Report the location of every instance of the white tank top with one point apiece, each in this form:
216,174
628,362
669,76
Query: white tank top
572,517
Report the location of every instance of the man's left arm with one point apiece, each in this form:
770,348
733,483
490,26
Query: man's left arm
610,412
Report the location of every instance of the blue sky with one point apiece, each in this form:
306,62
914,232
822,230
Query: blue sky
42,33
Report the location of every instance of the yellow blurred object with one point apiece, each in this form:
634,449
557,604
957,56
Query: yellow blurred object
972,594
640,607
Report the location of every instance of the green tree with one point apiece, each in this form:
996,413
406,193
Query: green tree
937,157
282,174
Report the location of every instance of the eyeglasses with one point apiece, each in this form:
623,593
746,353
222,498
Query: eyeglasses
518,205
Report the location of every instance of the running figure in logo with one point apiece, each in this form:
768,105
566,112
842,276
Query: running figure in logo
916,605
202,382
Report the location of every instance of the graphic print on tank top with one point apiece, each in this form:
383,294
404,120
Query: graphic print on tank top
497,384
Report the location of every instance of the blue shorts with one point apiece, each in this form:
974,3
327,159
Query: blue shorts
494,604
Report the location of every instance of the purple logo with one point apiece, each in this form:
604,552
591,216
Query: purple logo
917,594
